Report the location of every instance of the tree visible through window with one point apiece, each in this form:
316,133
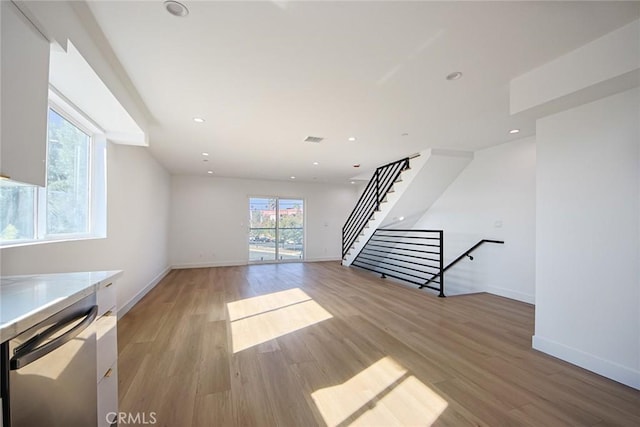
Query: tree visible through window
67,177
276,229
17,212
62,208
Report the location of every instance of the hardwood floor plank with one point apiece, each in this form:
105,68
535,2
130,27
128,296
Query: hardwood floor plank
248,392
213,410
323,344
283,391
213,362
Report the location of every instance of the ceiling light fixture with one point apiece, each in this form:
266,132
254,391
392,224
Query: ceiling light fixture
292,177
205,154
198,119
352,138
176,8
454,76
353,182
210,172
356,165
315,163
514,131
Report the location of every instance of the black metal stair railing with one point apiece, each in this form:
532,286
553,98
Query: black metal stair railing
460,258
373,195
414,256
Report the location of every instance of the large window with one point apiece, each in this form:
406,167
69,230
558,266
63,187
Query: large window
276,230
67,207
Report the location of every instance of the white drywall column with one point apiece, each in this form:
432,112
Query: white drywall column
588,236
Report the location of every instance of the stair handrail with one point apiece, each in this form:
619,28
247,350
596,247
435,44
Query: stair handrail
369,202
457,260
410,255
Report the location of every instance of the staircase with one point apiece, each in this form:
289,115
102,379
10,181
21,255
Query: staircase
399,193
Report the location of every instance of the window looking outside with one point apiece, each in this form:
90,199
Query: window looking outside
17,212
74,190
68,152
276,230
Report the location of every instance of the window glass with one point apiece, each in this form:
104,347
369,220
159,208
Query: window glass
291,225
262,231
17,212
68,160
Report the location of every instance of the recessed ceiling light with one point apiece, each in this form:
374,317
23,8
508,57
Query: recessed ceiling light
198,119
400,218
352,138
454,76
205,154
315,163
292,177
175,8
512,131
210,172
353,182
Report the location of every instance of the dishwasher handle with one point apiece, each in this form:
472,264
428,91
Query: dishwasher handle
34,351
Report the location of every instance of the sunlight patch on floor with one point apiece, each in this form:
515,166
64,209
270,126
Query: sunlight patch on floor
256,305
260,319
384,394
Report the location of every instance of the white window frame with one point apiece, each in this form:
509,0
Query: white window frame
97,180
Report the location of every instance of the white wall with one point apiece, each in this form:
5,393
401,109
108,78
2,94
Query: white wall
138,196
493,198
588,236
209,218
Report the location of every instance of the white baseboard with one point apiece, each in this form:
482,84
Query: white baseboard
508,293
606,368
133,301
243,262
208,264
323,259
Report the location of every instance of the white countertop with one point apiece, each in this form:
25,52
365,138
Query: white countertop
28,300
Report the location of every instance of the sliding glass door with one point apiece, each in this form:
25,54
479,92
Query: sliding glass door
290,229
276,229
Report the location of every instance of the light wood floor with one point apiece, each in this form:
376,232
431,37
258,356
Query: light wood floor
321,344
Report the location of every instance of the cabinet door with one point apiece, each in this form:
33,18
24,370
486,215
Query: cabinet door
24,88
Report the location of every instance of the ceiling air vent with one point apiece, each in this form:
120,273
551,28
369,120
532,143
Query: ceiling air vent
315,139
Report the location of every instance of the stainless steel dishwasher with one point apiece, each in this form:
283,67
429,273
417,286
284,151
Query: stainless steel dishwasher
50,370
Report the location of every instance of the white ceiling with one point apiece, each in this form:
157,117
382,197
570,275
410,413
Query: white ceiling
266,74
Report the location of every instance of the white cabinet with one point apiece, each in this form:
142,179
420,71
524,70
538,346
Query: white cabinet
24,87
107,337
